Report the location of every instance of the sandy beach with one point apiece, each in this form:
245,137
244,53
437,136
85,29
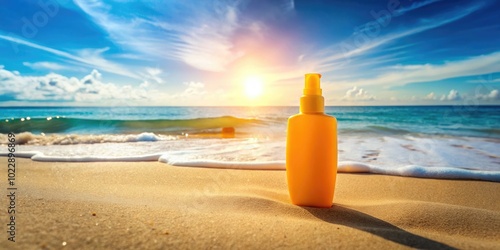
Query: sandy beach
150,205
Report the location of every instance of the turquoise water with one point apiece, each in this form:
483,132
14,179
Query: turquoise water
454,142
475,121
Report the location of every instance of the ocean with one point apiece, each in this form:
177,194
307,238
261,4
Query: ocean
452,142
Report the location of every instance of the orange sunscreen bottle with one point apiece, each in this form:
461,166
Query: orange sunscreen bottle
311,149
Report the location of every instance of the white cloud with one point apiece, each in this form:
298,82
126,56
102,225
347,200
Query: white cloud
484,80
93,78
452,96
357,94
414,6
153,74
153,71
203,41
45,65
55,87
88,57
483,64
430,96
361,42
92,90
409,67
491,96
192,89
203,35
385,20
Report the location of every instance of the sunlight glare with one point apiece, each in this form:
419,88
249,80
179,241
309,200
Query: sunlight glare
253,86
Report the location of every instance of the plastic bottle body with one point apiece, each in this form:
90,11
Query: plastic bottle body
311,159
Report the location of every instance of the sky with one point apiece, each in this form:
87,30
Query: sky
244,52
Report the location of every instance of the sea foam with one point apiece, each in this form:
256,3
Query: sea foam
428,157
69,139
343,166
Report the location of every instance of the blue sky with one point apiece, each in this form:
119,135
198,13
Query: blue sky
121,52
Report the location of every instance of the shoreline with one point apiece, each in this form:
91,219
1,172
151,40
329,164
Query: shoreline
152,205
344,166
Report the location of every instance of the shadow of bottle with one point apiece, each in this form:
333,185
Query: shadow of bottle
341,215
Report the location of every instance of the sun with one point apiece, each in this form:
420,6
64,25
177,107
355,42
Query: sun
253,86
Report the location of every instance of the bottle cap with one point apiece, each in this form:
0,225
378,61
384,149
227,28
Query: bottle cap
312,84
312,101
